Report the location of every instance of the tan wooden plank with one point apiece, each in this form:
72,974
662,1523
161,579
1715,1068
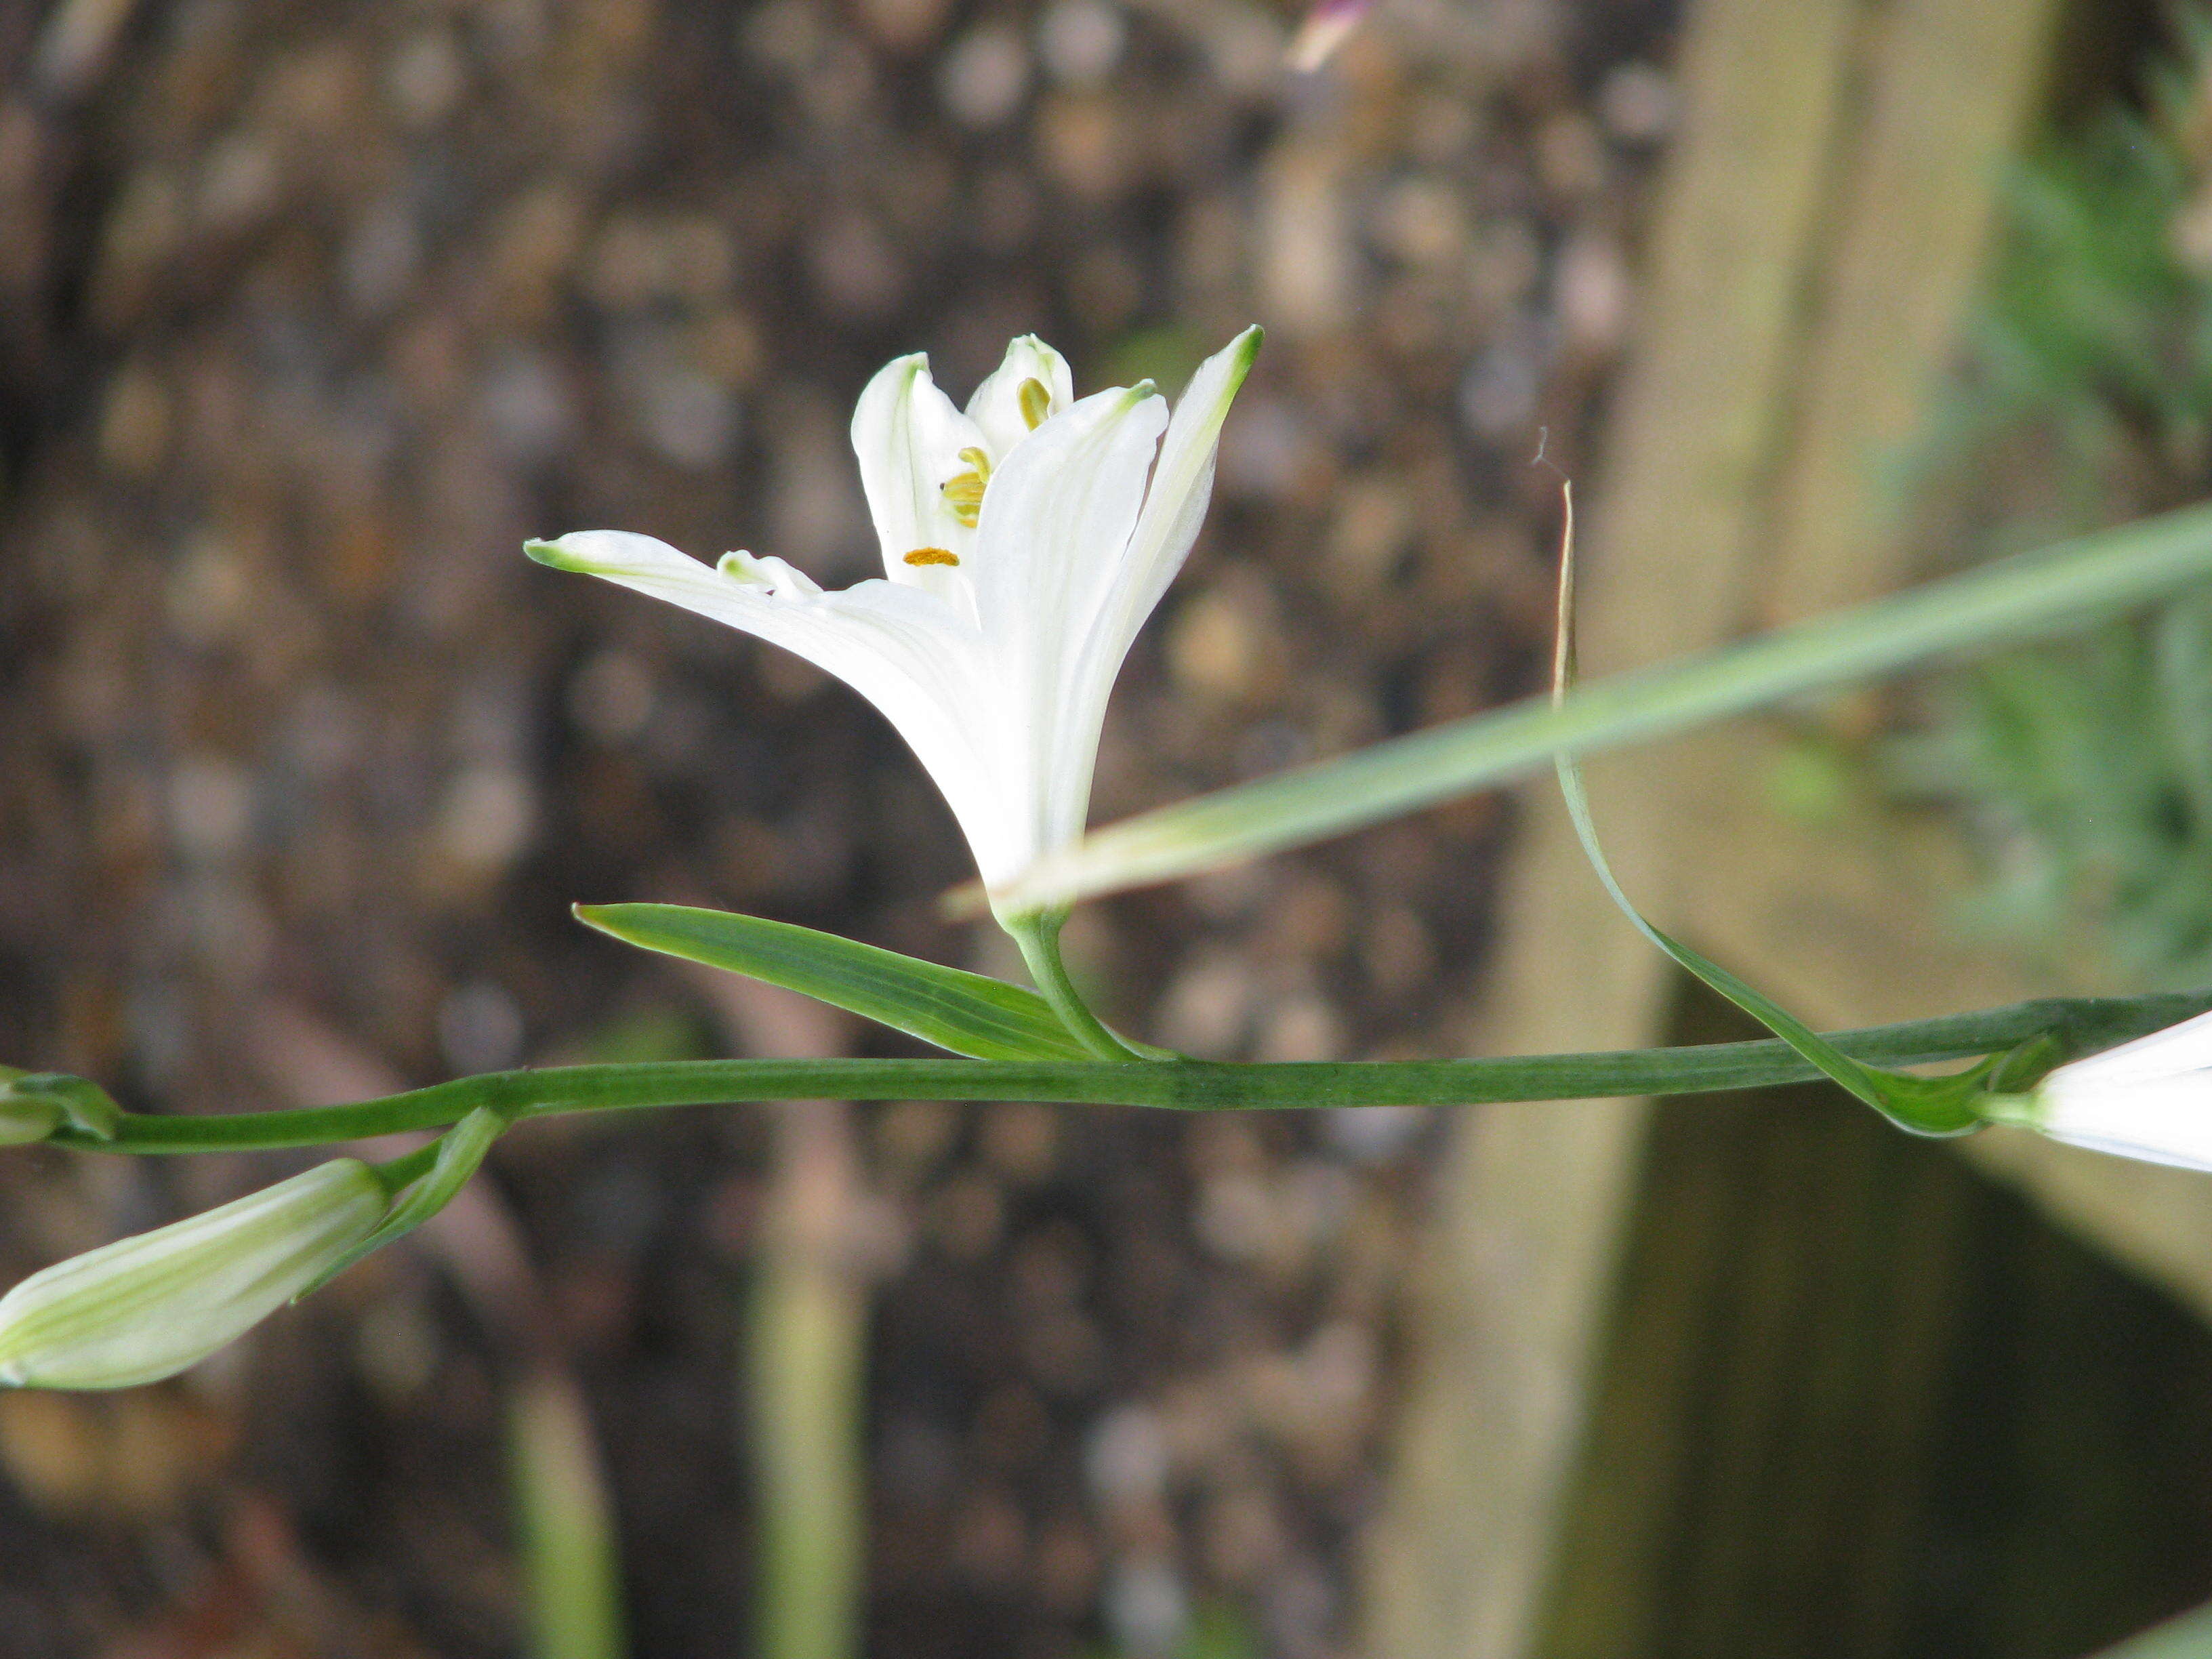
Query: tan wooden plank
1532,1197
1818,236
1952,83
1848,924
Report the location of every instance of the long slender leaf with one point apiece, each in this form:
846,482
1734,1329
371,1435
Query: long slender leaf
2037,593
2188,1637
1928,1105
969,1013
571,1560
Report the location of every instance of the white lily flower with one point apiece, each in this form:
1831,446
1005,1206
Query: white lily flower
147,1306
2149,1099
1025,542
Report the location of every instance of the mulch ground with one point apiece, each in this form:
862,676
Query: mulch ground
309,315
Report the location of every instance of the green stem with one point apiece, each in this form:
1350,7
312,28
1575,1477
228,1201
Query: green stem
395,1174
1038,935
2079,1026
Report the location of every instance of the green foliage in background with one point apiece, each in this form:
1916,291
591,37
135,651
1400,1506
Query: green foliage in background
2086,769
1217,1631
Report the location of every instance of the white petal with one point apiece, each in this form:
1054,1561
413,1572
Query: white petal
905,650
996,407
1182,483
1049,554
2183,1048
2162,1120
909,437
2150,1099
1174,507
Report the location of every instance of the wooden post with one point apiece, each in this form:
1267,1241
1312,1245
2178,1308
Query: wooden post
1819,235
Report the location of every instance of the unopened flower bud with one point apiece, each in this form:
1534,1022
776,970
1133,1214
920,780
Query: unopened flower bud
26,1119
28,1098
146,1307
2149,1099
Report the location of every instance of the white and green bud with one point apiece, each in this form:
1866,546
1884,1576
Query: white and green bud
34,1104
146,1307
26,1119
2148,1099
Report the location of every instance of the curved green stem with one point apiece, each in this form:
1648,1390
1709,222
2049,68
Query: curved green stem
1038,935
2078,1026
405,1169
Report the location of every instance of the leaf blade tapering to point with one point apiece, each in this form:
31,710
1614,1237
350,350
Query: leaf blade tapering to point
969,1014
1923,1105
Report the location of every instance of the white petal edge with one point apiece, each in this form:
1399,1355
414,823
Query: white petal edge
996,407
1182,482
904,649
1049,557
907,438
2164,1120
1175,509
2182,1047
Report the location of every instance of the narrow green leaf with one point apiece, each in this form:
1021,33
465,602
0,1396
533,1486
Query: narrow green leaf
2016,598
2188,1637
571,1560
458,1155
970,1014
1926,1105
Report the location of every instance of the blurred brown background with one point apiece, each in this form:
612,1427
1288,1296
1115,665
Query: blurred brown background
309,315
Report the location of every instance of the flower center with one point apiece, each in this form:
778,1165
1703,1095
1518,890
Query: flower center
963,491
932,555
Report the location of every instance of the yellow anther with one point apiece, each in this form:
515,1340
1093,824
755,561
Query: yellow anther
932,555
1036,401
963,491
